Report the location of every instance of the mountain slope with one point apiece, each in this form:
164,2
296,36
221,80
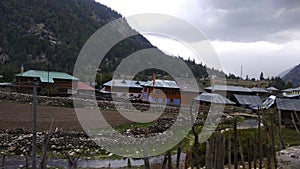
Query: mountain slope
293,76
49,34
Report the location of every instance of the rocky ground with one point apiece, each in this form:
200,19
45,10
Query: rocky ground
289,158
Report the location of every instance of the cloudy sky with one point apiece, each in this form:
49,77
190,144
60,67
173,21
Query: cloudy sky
263,36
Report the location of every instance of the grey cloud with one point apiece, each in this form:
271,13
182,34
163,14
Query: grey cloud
246,20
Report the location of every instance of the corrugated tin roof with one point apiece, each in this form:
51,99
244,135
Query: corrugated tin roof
213,98
47,76
272,89
124,83
296,89
229,88
83,86
248,99
258,90
288,104
288,90
6,84
162,84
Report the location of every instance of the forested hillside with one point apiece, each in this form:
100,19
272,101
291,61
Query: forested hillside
49,34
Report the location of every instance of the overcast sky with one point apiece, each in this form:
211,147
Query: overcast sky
263,36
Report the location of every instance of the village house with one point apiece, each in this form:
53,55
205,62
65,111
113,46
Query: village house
207,99
248,101
291,93
259,91
273,90
49,82
123,88
230,91
162,91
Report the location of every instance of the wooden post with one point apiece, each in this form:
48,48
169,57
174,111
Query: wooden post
281,143
165,160
196,148
187,160
295,125
45,143
255,151
209,162
128,163
249,154
273,140
3,161
260,141
229,152
219,152
178,156
241,152
235,155
169,160
26,161
269,160
297,117
147,164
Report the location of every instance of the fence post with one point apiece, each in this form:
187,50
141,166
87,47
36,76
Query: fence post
273,139
235,155
255,151
260,140
229,152
178,155
249,152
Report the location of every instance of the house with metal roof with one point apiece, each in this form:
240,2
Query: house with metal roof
229,90
259,91
273,90
162,92
213,98
123,88
291,93
49,82
248,100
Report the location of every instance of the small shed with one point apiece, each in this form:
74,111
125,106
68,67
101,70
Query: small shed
248,100
287,108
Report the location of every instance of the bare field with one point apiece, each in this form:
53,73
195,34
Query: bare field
15,115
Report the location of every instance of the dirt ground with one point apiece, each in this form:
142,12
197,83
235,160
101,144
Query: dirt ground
15,115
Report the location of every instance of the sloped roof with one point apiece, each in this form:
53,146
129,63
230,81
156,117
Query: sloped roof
296,89
258,90
248,99
124,83
288,90
229,88
47,76
83,86
288,104
272,89
162,84
213,98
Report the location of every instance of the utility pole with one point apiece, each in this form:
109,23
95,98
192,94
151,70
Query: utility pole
34,123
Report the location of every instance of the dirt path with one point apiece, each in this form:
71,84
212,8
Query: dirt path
15,115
